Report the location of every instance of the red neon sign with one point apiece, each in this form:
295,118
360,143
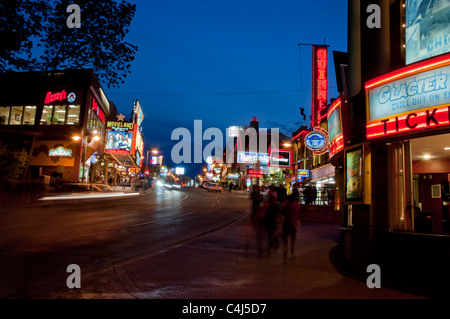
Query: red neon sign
255,173
96,108
413,121
58,96
336,145
409,70
427,118
320,84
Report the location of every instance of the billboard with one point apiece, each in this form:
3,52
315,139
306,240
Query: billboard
280,158
120,137
427,29
319,84
138,112
252,158
354,174
409,99
335,131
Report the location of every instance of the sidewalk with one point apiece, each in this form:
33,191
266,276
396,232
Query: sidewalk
225,265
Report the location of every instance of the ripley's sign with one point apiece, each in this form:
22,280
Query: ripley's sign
413,98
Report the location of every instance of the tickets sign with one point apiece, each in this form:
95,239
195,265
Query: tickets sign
410,99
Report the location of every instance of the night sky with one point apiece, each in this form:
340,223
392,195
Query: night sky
225,62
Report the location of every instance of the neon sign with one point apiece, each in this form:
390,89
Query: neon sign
317,141
97,110
58,96
436,117
60,152
320,84
280,158
254,173
410,99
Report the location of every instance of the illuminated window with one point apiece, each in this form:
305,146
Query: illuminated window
29,115
59,116
73,115
4,115
47,114
16,115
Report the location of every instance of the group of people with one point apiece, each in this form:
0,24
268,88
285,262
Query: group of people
275,220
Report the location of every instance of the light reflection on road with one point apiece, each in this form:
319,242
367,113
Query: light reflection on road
87,196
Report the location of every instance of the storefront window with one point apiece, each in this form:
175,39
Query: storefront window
4,115
29,115
47,114
95,125
60,115
73,115
16,115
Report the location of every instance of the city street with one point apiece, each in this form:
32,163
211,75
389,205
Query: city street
166,244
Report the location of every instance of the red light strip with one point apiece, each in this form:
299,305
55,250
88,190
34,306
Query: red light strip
334,106
296,136
409,70
425,119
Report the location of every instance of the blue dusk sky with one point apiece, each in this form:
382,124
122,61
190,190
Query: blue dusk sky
225,62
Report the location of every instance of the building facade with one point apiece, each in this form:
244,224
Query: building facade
396,154
60,119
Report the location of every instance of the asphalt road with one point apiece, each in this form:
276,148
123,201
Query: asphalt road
39,241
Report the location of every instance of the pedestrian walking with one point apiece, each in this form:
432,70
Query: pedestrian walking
271,219
257,217
291,222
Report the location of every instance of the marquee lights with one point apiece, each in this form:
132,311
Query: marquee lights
320,83
413,121
409,70
410,99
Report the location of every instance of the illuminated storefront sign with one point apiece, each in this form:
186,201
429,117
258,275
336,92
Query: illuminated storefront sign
60,152
179,170
121,137
319,84
317,141
280,158
61,96
410,99
354,174
138,112
97,110
303,173
255,173
335,132
252,157
427,29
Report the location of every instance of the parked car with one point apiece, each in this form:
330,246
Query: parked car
213,187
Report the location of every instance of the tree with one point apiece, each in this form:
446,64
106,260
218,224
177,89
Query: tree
12,162
37,37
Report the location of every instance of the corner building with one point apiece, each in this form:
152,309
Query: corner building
55,107
396,164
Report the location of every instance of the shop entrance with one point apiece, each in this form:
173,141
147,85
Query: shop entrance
430,165
418,186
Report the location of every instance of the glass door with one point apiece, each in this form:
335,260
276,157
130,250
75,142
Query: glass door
400,186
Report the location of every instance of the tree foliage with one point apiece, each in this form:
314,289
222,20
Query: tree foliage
12,162
39,38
